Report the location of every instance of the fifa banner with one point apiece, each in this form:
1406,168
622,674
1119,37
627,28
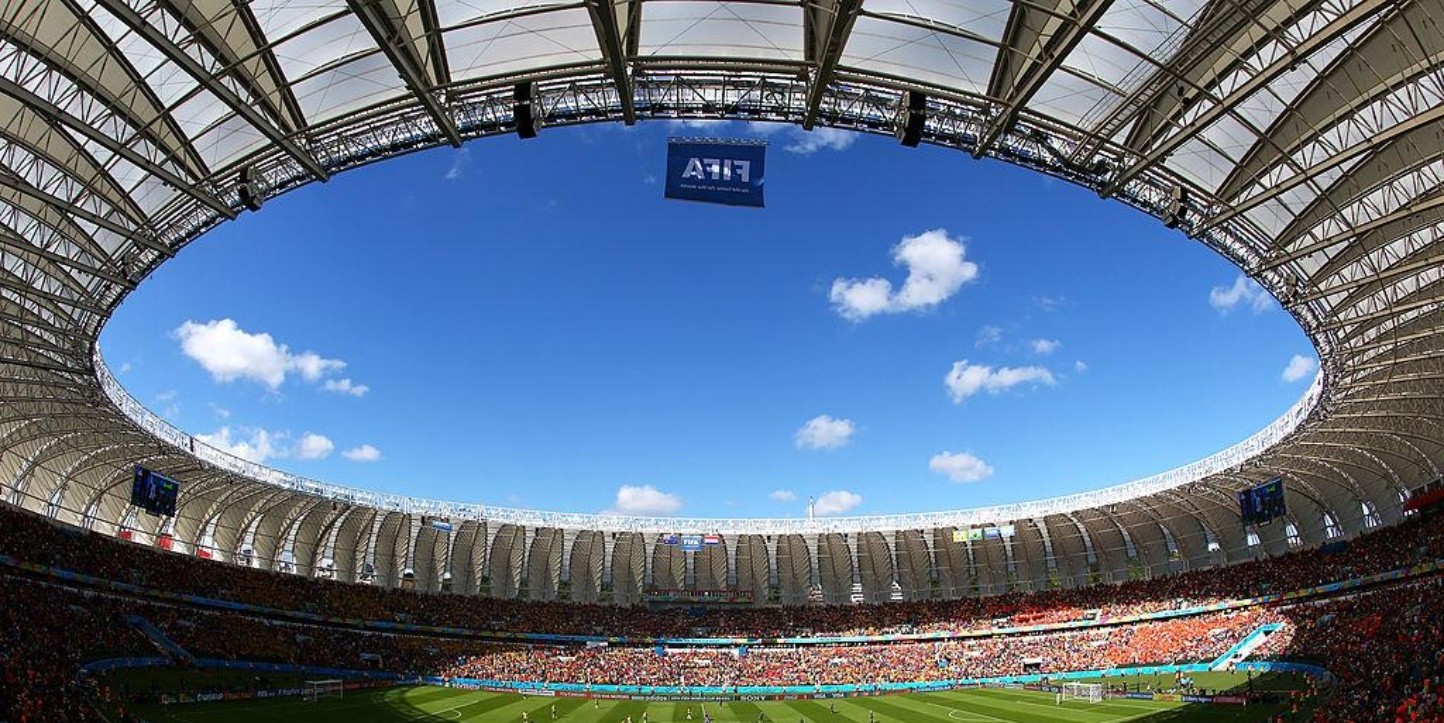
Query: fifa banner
713,170
691,543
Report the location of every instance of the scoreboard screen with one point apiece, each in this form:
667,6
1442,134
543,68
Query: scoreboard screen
1262,503
154,492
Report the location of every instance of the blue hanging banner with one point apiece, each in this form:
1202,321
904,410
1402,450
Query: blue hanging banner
713,170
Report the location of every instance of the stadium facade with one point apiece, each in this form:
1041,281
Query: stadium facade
1298,138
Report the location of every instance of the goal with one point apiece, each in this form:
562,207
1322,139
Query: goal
1091,692
318,689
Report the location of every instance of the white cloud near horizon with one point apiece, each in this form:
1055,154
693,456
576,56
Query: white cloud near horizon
961,466
254,445
345,386
362,453
988,335
782,496
1299,367
964,379
820,138
936,269
645,500
1244,293
824,432
835,502
229,353
1044,347
314,446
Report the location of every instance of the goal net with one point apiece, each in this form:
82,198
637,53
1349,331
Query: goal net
318,689
1091,692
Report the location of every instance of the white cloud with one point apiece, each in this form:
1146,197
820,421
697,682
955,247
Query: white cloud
960,467
1299,367
1049,303
124,368
459,162
1080,367
311,366
229,353
345,386
988,335
824,432
1245,292
645,500
363,453
1044,346
936,270
964,379
169,407
782,495
820,139
255,445
836,502
314,446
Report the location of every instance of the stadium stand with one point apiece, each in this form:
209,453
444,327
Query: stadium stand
1383,642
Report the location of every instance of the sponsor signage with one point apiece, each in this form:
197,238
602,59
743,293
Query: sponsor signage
713,170
691,543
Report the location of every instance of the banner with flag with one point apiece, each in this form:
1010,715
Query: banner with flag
1007,530
974,534
991,533
671,538
959,535
711,539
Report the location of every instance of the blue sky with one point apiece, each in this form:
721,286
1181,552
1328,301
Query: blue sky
532,324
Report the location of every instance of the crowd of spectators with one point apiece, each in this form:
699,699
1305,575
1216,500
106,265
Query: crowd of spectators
1385,648
1384,644
1184,640
36,540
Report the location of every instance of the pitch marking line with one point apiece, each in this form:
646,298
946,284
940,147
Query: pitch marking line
951,710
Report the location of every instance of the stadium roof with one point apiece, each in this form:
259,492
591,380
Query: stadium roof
1299,138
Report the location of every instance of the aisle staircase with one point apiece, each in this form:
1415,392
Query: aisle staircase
1240,652
160,640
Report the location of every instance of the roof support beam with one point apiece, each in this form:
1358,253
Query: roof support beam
610,21
1325,35
1378,276
136,235
828,27
26,289
1427,119
55,114
1029,55
20,246
388,28
156,37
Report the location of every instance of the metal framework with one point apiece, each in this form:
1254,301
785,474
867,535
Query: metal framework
1298,138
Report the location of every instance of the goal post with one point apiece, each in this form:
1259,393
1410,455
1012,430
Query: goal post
313,690
1091,692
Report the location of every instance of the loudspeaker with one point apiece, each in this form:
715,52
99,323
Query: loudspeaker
1174,214
250,195
914,117
528,123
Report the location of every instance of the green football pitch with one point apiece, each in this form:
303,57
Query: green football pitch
438,705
